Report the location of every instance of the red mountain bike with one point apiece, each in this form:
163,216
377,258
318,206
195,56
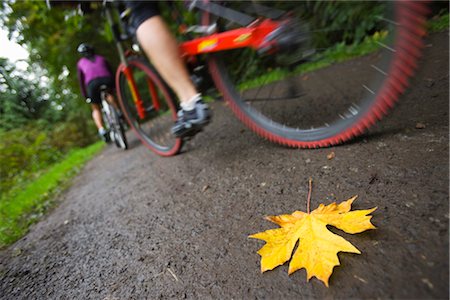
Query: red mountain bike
258,54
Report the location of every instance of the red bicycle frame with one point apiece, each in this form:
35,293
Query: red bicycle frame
254,36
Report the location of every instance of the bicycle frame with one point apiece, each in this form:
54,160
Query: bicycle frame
256,36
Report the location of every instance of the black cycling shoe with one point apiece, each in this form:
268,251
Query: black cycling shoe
191,122
105,135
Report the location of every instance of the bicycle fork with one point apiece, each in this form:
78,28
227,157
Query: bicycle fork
137,99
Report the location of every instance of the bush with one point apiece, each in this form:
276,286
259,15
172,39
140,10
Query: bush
65,136
24,152
343,21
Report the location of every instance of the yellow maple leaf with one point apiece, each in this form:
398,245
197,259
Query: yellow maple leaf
318,247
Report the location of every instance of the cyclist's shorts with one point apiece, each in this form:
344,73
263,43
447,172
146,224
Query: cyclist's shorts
140,12
93,88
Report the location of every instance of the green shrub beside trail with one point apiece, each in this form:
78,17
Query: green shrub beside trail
25,203
27,150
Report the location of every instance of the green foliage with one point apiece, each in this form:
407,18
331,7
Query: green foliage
22,97
342,21
35,129
42,117
26,151
439,22
26,203
53,35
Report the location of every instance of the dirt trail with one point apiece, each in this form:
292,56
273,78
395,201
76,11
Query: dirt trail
135,225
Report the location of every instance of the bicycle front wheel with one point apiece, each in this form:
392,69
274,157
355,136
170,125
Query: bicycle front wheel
148,106
277,95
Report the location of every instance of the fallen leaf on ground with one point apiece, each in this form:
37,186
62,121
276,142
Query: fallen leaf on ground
318,247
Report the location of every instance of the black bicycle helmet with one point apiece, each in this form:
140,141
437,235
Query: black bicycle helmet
85,49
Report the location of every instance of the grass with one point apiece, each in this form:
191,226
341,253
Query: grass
25,204
439,23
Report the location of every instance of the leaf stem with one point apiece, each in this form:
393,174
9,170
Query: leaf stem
309,196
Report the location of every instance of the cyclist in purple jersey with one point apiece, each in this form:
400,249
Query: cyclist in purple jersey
94,71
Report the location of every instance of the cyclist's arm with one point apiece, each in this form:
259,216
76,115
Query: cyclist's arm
81,81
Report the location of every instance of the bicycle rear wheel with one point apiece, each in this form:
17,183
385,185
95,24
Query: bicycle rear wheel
278,98
107,123
120,137
150,110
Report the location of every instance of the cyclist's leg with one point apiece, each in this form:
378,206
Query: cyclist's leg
112,100
162,49
93,90
97,115
109,82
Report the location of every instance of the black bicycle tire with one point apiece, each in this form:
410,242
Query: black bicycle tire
408,45
107,124
119,130
150,72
